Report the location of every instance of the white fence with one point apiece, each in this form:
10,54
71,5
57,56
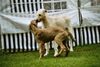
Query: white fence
25,41
20,42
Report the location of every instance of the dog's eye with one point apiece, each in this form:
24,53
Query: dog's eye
39,14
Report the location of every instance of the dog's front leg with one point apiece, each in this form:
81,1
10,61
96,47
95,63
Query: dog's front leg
41,50
71,46
47,47
55,47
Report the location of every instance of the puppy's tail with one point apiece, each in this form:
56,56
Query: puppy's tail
70,35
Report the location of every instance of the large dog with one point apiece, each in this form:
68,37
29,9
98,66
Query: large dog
54,21
45,35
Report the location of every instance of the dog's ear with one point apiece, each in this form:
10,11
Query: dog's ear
37,20
45,11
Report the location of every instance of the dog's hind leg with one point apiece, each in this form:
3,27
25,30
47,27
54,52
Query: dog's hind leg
71,32
63,48
59,40
67,47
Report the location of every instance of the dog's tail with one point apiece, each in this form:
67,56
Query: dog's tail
70,35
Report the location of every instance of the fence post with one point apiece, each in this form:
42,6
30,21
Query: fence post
79,12
0,38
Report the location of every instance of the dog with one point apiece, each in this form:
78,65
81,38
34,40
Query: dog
54,21
45,35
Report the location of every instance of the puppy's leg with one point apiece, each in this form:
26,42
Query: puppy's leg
63,48
47,49
71,33
67,48
59,40
55,46
41,50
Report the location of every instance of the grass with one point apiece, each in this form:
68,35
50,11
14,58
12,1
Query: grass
83,56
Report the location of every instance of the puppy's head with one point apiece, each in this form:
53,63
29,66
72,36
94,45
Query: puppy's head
33,23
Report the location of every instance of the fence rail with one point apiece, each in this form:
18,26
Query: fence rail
21,42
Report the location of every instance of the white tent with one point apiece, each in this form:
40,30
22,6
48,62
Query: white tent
15,18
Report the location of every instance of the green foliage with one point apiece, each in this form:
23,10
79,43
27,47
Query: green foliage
83,56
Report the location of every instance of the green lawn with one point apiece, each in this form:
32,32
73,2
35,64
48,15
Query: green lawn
83,56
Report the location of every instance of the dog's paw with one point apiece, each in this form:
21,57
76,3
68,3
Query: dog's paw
56,55
45,54
71,50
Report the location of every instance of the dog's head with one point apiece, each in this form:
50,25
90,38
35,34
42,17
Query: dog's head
33,23
41,14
